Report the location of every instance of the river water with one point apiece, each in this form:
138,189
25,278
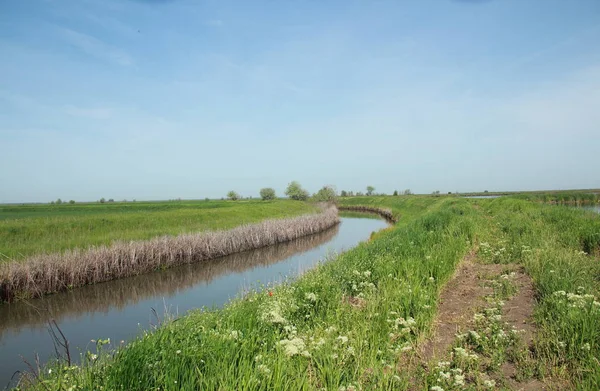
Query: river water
120,309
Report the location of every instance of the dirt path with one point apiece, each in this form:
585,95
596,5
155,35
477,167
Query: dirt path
460,299
463,296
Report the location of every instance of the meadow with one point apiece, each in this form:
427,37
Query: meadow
363,319
42,274
31,229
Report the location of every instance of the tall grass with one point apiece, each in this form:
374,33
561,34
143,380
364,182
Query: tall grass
49,273
353,323
27,230
164,283
346,324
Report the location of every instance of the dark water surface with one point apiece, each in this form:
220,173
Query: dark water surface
119,309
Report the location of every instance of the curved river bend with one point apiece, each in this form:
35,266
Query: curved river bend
119,309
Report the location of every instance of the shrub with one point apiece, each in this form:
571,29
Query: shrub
267,193
232,195
296,192
326,194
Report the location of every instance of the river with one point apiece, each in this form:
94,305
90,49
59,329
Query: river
120,309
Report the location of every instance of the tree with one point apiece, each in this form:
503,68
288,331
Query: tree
232,195
436,193
326,194
58,201
111,200
72,202
267,193
407,192
370,190
395,192
343,193
350,193
296,192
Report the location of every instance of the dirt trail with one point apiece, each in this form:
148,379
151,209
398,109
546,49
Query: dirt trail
464,295
460,299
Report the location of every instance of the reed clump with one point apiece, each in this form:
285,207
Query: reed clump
383,212
48,273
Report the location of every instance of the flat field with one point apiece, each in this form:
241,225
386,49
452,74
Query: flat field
461,294
35,228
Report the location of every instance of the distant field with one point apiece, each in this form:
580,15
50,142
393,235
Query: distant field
33,229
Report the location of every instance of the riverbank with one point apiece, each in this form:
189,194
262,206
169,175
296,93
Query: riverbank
33,229
360,320
43,274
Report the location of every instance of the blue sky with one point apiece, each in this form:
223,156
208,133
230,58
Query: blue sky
167,99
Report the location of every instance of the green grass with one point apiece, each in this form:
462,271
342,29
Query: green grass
353,323
34,229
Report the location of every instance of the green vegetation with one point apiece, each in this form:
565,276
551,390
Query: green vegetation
325,194
296,192
267,194
355,322
233,196
33,229
49,273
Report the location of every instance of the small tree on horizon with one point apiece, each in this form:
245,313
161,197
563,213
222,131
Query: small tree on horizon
267,193
326,194
407,192
370,190
72,202
232,195
296,192
102,200
395,192
343,193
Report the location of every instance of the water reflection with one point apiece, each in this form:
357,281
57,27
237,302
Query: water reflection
119,309
125,292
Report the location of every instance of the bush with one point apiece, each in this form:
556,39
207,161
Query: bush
232,195
296,192
267,193
102,200
326,194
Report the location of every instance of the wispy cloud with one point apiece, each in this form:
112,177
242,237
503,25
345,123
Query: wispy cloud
86,112
97,48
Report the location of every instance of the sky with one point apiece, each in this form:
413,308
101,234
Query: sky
134,99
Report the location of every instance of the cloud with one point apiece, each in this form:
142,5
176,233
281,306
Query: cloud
93,113
97,48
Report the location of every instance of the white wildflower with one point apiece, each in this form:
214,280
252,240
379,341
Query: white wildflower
311,297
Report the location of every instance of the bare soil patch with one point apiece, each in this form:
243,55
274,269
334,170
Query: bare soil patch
464,295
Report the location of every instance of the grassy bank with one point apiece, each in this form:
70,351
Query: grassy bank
354,322
27,230
48,273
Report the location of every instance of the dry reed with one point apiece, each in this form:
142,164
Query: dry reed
49,273
385,213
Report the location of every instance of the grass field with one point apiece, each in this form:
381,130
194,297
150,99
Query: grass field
34,229
359,321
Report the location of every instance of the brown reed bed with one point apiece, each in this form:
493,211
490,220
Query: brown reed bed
385,213
129,291
49,273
